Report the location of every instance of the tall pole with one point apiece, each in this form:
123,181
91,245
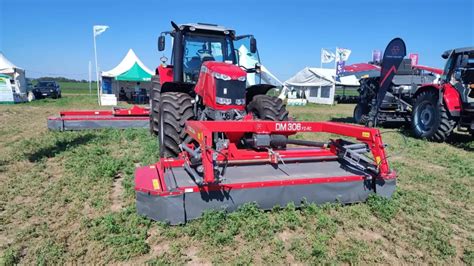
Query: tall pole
96,70
335,78
90,78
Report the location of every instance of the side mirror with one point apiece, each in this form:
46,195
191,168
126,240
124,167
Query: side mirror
253,45
161,43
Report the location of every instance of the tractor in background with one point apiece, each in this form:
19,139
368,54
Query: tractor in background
433,103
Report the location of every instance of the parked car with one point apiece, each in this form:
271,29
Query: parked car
47,88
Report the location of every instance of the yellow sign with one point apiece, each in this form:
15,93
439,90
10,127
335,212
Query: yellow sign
156,184
377,160
366,134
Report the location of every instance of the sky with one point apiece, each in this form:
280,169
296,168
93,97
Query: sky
54,37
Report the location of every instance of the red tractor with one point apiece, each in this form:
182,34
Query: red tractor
206,82
438,108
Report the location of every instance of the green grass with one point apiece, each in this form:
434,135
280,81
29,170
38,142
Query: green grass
68,198
77,88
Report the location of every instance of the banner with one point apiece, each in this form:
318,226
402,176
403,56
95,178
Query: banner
392,58
414,59
327,56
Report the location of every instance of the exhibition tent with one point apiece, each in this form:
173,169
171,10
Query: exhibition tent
17,78
126,78
318,84
131,68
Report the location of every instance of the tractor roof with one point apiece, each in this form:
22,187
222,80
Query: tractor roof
205,27
446,54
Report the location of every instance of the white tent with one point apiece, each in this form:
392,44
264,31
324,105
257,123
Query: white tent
17,75
319,84
126,64
127,74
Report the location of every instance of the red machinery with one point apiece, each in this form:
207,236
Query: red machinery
224,141
256,164
135,117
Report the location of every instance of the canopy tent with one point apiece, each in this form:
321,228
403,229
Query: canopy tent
17,78
318,84
131,68
129,79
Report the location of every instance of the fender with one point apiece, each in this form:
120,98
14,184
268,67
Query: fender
165,72
257,90
451,99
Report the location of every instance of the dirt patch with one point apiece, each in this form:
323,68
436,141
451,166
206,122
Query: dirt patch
117,193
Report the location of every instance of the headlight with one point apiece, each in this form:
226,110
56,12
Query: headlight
225,101
243,78
240,101
221,76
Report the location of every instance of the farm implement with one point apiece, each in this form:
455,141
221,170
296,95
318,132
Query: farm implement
224,142
258,162
134,117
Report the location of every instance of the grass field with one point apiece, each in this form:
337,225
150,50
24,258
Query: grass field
68,198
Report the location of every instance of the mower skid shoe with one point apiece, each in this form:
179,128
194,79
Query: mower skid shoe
385,187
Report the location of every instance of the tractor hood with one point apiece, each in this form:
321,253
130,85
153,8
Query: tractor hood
230,70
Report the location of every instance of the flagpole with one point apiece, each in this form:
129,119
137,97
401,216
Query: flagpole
90,78
335,77
321,66
96,68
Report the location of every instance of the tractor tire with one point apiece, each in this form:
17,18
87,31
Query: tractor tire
361,112
175,109
265,107
155,105
430,120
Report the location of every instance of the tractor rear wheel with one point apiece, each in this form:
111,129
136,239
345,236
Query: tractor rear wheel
360,113
155,105
430,119
176,108
267,107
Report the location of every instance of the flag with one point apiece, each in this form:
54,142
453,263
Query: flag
327,56
414,59
342,54
98,29
339,69
376,56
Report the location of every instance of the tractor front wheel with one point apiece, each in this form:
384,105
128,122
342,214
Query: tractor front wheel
175,109
267,107
430,119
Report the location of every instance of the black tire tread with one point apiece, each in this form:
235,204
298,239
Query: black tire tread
176,108
155,105
267,107
446,123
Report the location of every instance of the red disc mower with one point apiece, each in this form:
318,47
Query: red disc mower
225,142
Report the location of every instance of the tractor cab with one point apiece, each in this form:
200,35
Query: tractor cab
459,72
196,43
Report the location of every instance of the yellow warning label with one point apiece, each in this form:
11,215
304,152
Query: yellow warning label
156,184
366,134
199,135
377,160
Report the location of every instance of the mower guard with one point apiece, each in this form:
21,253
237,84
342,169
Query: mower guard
135,117
167,190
